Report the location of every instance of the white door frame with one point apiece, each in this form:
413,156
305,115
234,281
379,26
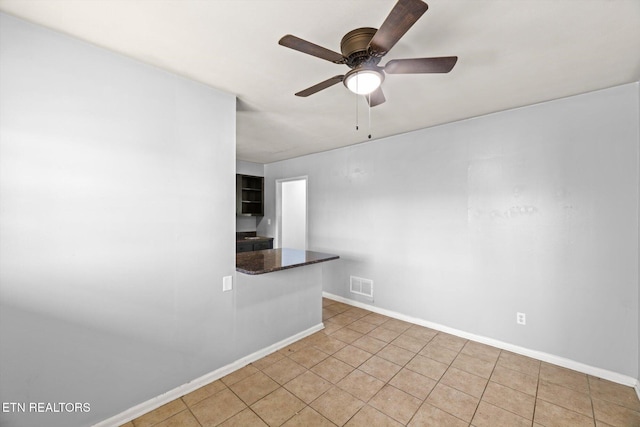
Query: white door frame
305,178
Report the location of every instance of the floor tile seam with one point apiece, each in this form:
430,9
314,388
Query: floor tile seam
371,323
313,373
462,391
523,373
424,401
589,395
504,409
564,386
247,404
164,419
517,370
593,406
394,418
613,402
356,367
327,391
462,368
409,394
535,396
358,317
568,409
254,412
395,375
441,409
350,324
366,402
382,348
470,373
495,362
394,330
508,410
346,342
322,394
263,397
437,380
230,416
435,360
293,360
263,373
376,354
204,398
414,352
193,415
483,391
356,314
594,419
352,416
401,366
285,421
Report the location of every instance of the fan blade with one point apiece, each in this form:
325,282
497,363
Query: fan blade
320,86
309,48
403,15
442,64
376,97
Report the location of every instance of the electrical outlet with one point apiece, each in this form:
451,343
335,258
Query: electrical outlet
227,283
521,318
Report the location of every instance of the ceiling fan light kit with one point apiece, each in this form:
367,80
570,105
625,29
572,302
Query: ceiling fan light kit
363,81
363,48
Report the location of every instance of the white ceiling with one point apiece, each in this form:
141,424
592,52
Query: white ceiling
511,53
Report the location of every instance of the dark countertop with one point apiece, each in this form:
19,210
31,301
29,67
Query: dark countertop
270,260
253,239
250,236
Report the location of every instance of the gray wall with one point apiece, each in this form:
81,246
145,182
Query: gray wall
531,210
116,228
249,168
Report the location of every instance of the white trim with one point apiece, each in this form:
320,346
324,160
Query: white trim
546,357
180,391
637,388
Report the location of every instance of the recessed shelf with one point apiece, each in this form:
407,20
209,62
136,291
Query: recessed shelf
249,195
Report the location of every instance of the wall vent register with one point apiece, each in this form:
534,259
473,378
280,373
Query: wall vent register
360,286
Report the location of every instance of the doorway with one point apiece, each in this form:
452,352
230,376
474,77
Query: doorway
291,205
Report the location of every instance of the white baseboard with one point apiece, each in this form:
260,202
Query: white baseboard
546,357
637,388
180,391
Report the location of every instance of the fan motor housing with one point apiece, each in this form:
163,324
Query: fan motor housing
355,47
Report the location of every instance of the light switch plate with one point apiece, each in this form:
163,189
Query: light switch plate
227,283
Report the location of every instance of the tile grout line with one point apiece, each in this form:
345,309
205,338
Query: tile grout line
593,407
535,398
485,387
189,409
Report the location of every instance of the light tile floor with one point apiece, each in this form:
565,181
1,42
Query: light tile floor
365,369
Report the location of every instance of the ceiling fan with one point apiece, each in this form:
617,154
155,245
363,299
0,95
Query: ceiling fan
363,48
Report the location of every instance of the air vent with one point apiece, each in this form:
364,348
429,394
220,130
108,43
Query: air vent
361,286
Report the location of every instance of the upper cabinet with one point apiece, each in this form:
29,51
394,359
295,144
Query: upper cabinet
249,195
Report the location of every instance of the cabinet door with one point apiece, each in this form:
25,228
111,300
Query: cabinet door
244,247
262,245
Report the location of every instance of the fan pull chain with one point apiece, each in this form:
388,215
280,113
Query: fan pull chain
369,95
356,109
